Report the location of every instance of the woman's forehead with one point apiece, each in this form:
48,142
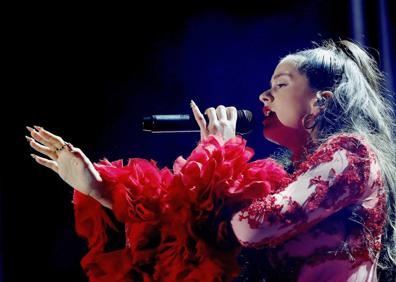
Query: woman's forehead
285,68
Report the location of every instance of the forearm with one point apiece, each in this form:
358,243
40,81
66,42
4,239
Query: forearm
94,186
333,181
98,192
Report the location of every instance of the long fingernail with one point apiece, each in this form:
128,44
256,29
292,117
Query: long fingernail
192,104
29,128
33,156
38,128
29,139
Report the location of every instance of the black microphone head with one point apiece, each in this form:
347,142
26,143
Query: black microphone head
245,122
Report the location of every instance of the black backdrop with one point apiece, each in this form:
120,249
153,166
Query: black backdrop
90,73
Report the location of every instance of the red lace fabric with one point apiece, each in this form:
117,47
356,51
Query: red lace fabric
322,223
176,224
326,223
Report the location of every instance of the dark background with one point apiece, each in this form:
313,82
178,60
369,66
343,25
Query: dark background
91,73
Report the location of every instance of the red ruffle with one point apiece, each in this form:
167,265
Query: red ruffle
175,223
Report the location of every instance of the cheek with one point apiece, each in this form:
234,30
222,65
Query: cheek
290,117
291,113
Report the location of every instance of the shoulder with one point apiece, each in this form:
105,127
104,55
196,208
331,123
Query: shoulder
351,147
345,160
351,142
354,145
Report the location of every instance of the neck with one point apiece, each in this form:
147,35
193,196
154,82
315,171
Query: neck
298,154
301,150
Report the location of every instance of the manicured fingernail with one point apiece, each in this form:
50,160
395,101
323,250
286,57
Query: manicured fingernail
28,139
38,128
29,128
33,156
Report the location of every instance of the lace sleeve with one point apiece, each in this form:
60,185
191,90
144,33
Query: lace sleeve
335,176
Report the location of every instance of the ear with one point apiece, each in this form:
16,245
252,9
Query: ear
316,102
325,94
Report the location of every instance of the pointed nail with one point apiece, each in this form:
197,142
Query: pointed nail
28,139
29,128
33,156
38,128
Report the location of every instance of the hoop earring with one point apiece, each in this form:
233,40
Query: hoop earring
309,121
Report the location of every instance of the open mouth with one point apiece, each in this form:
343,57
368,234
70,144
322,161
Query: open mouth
267,112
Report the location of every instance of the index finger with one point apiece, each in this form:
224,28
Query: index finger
198,115
200,120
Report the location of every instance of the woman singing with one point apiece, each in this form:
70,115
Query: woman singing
330,216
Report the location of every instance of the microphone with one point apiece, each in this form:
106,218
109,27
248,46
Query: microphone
186,123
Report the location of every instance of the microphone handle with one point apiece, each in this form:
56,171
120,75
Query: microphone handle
186,123
170,124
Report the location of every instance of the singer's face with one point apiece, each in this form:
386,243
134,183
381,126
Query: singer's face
290,98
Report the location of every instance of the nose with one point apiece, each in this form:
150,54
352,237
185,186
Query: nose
266,97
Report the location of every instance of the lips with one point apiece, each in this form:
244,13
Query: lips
268,116
267,111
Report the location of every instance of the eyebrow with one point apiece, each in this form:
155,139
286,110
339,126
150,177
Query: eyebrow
278,75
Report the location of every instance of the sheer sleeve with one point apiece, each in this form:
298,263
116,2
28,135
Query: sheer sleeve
336,175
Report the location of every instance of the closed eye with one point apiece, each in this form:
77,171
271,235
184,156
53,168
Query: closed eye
280,85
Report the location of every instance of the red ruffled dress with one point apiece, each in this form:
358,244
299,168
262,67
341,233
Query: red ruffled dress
180,225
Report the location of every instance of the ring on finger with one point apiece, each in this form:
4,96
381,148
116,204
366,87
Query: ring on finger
66,144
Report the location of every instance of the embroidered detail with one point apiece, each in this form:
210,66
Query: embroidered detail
327,196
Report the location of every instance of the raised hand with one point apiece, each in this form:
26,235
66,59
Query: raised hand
68,162
222,121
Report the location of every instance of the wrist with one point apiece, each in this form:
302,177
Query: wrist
98,192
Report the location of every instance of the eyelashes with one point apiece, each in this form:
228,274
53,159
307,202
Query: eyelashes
280,85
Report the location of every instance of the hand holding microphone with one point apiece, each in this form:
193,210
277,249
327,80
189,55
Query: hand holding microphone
221,121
